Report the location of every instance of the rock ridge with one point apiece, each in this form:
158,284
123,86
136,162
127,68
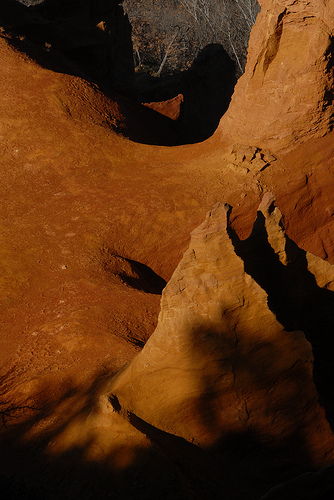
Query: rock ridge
224,360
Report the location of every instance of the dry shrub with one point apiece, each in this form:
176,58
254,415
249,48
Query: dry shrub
168,34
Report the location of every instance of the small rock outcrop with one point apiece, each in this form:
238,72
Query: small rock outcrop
206,87
249,159
170,108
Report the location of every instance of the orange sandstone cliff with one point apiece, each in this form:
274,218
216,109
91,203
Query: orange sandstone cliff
227,392
286,93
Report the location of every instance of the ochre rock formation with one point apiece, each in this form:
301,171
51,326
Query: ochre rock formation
286,93
220,368
232,394
170,107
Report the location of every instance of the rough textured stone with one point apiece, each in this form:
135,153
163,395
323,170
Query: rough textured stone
224,399
170,107
220,363
285,95
249,158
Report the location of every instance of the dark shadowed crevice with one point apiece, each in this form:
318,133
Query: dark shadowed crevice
94,35
92,40
310,486
328,98
194,49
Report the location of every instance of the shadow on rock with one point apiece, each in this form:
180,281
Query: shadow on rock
296,300
32,469
73,29
132,273
207,88
91,41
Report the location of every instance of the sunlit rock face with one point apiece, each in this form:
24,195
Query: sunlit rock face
286,93
229,366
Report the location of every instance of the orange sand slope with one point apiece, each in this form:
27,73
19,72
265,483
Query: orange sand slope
92,226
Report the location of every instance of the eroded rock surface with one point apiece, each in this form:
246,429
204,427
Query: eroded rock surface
232,395
286,93
228,366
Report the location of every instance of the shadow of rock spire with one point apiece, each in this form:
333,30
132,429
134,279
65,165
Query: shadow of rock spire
282,269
